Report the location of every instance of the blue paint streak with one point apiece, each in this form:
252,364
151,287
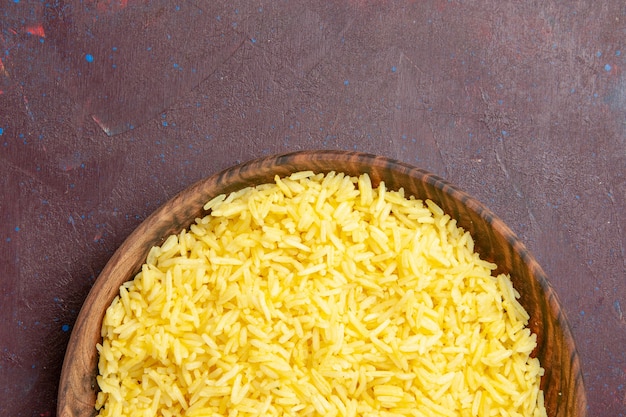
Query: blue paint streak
1,131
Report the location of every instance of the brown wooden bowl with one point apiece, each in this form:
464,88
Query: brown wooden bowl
562,383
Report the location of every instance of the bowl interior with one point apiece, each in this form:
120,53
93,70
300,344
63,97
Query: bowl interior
562,383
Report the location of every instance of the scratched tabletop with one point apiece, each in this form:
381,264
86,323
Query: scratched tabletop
108,108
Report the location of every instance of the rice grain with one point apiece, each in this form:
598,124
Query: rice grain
318,295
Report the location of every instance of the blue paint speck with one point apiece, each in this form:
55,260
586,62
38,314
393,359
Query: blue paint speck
346,82
16,1
89,58
253,40
114,48
65,327
394,69
607,67
17,228
164,123
599,54
1,131
618,53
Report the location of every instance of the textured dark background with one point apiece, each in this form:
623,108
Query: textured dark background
110,107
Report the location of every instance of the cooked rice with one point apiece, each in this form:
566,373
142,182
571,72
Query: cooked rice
318,295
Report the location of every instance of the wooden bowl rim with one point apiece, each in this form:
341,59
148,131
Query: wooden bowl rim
78,358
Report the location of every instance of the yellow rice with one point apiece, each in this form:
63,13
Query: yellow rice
318,295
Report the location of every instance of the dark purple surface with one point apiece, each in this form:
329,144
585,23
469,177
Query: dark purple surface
522,104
